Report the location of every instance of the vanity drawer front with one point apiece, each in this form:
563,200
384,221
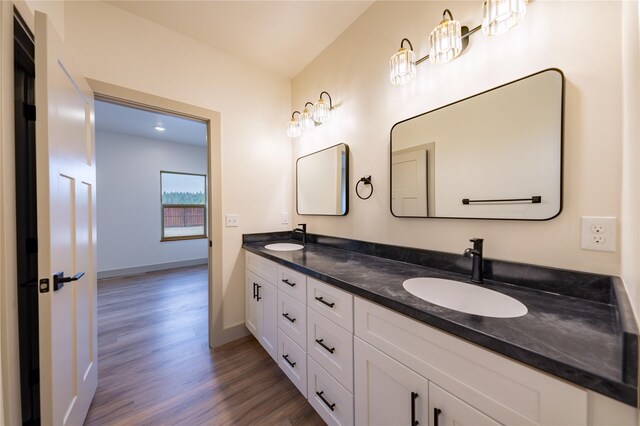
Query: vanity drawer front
292,318
506,391
262,267
293,283
330,399
332,347
293,361
333,303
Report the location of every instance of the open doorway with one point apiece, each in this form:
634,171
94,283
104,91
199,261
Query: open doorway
152,196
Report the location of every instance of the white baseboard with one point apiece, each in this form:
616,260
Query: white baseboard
150,268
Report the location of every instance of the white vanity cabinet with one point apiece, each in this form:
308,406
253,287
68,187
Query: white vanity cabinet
261,308
467,383
387,392
360,363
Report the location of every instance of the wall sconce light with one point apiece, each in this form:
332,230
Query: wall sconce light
449,38
499,16
403,64
321,111
293,127
308,120
445,41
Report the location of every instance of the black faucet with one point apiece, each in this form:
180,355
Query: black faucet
303,231
476,252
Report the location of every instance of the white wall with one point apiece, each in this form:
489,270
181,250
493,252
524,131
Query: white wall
114,46
128,200
562,34
630,224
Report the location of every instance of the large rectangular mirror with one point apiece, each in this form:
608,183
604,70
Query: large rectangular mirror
495,155
322,182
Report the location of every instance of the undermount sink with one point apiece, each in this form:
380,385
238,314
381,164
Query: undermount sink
468,298
284,247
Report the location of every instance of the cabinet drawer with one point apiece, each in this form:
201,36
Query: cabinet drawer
329,398
505,390
293,283
262,267
333,303
452,411
332,347
292,318
293,361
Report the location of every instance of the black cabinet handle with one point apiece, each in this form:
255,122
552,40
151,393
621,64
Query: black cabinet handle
286,281
321,300
286,315
436,413
258,292
286,358
254,290
414,422
319,341
331,406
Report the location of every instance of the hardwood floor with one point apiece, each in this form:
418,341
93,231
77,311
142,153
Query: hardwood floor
155,365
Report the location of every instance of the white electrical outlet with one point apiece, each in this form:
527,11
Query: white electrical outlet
232,220
285,218
598,233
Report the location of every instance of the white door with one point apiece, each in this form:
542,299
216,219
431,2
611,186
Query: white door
386,392
66,232
409,180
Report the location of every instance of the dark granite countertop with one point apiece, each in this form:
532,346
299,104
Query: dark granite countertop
579,326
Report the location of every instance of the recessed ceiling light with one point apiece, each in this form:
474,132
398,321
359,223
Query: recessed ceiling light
160,128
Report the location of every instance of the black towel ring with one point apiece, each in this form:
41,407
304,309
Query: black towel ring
367,181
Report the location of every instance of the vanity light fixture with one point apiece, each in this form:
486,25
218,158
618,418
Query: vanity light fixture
403,64
308,120
449,38
499,16
293,127
445,41
321,110
159,128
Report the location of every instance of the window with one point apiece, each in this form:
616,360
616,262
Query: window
184,206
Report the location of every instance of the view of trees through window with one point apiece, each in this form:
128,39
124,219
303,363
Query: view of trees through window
183,205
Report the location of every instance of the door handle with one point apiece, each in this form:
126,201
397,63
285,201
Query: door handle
59,279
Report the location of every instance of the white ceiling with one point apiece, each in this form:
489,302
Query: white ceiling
137,122
281,36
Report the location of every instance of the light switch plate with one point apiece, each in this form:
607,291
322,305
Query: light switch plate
232,220
285,218
598,233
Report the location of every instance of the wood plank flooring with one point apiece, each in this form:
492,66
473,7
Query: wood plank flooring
155,366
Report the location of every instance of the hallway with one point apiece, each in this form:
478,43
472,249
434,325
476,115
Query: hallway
155,366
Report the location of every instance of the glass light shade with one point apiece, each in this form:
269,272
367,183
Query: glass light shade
402,66
445,42
321,111
499,16
306,120
293,128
